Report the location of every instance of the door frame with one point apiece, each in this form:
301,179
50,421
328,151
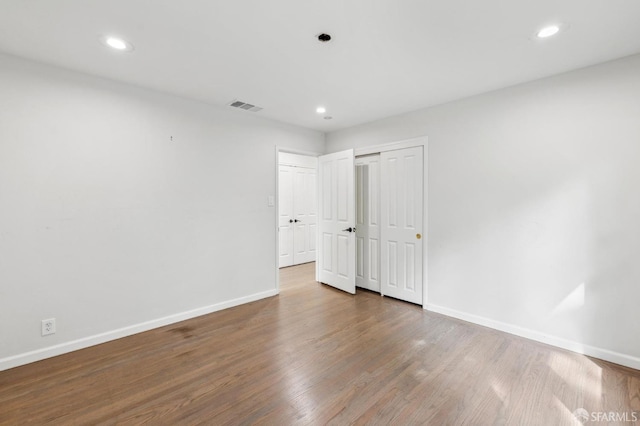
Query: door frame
391,146
278,150
422,141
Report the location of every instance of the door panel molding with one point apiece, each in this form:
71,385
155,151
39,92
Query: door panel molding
337,266
401,222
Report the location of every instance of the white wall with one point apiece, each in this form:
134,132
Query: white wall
534,207
289,159
110,226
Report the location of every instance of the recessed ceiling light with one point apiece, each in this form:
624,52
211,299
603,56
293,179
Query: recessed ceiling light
117,43
548,31
321,110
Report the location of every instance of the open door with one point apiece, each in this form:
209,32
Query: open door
336,243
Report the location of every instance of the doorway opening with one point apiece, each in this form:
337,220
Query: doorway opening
296,209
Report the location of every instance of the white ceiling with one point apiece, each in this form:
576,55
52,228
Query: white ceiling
386,57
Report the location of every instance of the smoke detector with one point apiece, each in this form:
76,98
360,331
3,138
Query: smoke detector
324,37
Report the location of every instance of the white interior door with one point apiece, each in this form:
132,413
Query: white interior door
336,243
401,224
285,211
368,222
305,207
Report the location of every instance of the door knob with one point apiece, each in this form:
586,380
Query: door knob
350,229
296,220
290,220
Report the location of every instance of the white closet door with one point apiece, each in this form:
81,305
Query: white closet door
368,222
336,246
401,224
305,215
285,211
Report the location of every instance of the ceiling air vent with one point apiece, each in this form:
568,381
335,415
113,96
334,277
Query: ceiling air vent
244,105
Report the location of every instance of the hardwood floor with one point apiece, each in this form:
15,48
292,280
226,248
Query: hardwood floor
314,355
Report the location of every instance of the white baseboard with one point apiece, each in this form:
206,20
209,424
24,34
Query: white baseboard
85,342
592,351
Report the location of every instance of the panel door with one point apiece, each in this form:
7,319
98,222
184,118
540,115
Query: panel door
336,244
368,222
285,211
401,224
305,207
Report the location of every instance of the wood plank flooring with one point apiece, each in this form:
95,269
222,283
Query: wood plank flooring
314,355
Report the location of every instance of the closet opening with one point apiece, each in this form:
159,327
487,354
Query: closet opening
368,222
371,220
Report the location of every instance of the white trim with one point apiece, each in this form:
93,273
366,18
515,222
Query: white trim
298,151
581,348
406,143
85,342
277,218
425,222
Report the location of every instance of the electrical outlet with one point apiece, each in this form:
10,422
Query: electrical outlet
48,326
